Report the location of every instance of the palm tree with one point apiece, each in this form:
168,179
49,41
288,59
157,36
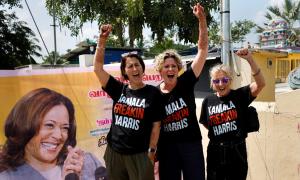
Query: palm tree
49,60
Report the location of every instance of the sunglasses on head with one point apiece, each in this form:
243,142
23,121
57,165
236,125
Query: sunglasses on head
129,53
169,55
224,80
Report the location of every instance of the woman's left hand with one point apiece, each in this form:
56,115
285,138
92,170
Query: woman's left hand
151,156
74,161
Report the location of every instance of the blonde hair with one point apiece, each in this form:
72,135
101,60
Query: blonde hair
220,68
160,59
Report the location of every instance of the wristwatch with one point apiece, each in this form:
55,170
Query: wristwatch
151,150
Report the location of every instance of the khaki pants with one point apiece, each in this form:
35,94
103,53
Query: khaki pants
128,167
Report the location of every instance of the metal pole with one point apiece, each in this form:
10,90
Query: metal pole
225,24
54,31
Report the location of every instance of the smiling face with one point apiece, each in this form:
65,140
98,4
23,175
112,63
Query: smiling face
42,150
220,83
169,71
134,71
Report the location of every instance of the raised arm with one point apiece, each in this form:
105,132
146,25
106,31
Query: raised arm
200,58
259,80
101,74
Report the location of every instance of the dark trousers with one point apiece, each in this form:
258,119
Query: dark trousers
186,158
227,161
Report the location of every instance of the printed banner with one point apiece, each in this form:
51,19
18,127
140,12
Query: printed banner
92,105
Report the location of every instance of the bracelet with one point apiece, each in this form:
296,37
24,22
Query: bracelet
152,150
255,74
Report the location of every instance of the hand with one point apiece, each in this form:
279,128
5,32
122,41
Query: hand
105,30
245,54
151,156
198,11
74,161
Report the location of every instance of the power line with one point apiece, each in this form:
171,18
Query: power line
37,28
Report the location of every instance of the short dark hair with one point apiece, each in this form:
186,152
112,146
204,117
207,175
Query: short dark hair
123,64
23,123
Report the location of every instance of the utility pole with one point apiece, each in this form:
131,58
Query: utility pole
54,31
225,28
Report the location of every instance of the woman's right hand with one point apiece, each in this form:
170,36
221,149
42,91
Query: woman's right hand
105,30
73,162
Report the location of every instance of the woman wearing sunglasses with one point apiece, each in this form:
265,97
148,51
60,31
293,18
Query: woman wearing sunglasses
222,114
136,115
180,146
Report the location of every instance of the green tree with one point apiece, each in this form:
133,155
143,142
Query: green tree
166,43
214,34
158,15
239,29
49,60
10,3
17,42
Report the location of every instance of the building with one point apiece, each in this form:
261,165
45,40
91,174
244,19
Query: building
112,55
284,65
275,35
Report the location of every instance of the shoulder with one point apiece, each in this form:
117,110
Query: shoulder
153,89
22,172
188,77
210,97
4,175
245,90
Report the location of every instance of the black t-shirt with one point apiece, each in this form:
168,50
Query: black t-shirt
224,115
180,121
133,113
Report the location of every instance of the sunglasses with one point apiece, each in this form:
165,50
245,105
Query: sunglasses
129,53
224,80
169,55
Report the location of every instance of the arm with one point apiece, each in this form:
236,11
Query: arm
259,80
154,139
200,58
101,74
203,114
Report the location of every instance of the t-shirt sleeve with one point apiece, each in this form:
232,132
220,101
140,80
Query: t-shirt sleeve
113,88
203,113
188,78
246,95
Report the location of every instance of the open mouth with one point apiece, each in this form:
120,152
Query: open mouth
171,76
49,146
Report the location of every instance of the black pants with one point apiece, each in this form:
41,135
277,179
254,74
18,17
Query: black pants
227,161
181,160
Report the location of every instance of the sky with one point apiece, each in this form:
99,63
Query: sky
239,10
